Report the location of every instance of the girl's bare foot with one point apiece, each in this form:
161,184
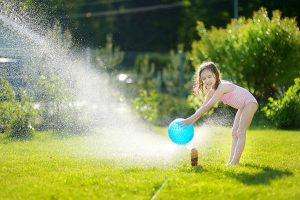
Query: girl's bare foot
228,163
231,163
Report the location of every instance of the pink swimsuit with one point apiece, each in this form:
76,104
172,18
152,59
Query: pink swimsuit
238,97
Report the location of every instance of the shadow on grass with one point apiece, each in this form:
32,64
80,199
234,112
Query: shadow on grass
265,175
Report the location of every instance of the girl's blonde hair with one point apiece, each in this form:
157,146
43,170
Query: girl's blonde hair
198,84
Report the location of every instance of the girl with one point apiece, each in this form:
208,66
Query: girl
208,77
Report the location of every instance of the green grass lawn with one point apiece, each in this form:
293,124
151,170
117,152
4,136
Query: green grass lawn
45,168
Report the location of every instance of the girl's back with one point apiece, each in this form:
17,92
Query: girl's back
237,97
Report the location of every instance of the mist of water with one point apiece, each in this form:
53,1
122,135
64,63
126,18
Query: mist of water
118,133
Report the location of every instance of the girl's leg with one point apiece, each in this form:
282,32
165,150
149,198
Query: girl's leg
245,121
234,133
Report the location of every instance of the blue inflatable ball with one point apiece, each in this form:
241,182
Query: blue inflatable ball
179,133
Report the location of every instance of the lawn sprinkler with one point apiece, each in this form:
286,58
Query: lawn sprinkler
194,157
179,133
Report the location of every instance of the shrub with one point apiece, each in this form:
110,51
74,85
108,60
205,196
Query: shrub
16,116
68,119
162,73
7,104
170,107
159,108
7,108
108,58
20,125
285,112
23,114
146,104
196,101
145,73
6,91
57,111
261,54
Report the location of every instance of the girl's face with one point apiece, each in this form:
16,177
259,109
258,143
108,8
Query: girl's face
208,78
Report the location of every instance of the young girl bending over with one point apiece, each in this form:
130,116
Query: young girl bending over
208,79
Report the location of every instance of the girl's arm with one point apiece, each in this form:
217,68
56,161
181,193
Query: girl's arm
206,106
209,96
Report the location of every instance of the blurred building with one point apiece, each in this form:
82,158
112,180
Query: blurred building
10,61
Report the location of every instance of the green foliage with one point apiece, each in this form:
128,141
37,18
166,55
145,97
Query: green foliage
158,60
7,109
6,92
57,111
53,94
261,54
161,73
145,70
16,116
146,104
109,57
147,31
62,38
177,82
65,118
285,112
159,108
170,107
7,104
24,113
51,88
196,101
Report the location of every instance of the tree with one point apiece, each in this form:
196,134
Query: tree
261,54
90,21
